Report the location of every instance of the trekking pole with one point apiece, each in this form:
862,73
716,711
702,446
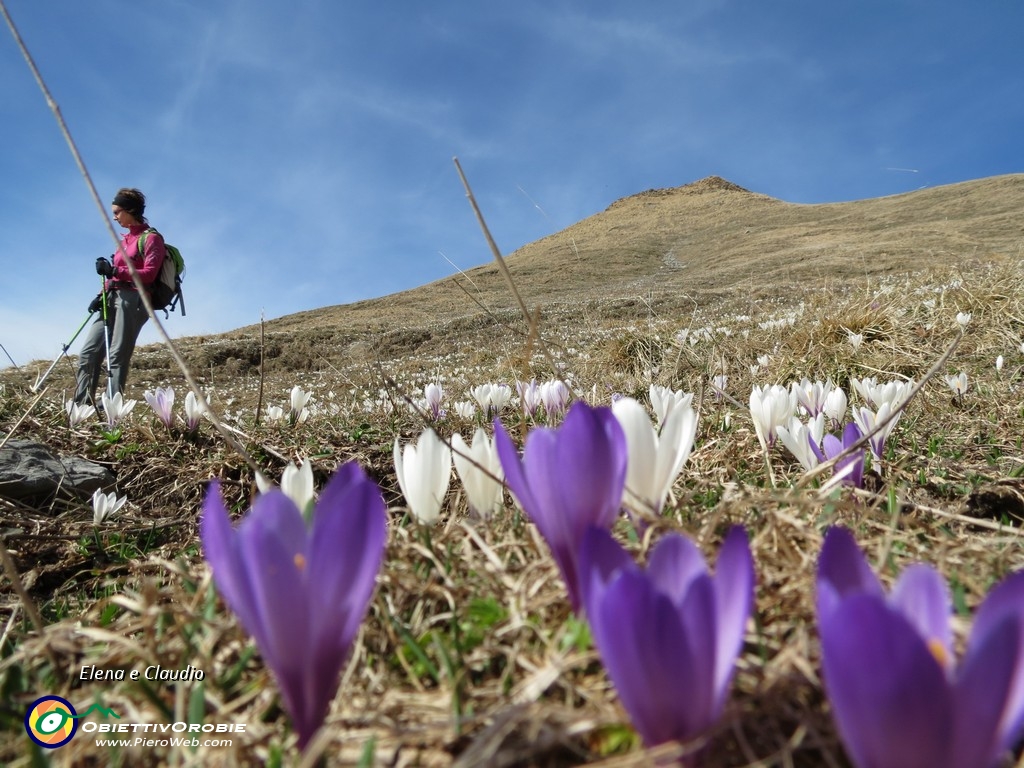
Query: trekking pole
9,357
106,335
63,351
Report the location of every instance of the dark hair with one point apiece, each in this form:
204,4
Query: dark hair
133,201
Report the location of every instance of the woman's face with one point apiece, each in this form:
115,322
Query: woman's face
123,218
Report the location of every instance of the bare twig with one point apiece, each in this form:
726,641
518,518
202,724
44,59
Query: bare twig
503,268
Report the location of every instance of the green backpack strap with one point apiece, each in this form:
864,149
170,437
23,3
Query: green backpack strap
140,244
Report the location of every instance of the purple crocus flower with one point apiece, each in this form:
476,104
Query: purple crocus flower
668,636
899,698
849,470
301,593
569,479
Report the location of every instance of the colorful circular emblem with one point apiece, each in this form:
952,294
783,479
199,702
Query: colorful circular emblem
50,721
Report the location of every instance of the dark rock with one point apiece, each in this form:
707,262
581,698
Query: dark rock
1001,500
30,471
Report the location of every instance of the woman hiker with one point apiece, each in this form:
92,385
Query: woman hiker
125,313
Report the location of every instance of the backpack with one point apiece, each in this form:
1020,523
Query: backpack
165,292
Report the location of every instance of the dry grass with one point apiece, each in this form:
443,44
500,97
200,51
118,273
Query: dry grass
470,655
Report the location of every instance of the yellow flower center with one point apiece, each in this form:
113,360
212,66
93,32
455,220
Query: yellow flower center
300,561
939,652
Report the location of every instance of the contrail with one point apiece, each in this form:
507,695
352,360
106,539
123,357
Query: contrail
535,205
904,170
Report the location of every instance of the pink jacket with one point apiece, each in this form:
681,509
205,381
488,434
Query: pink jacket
147,264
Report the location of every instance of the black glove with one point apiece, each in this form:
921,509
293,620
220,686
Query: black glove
97,304
103,267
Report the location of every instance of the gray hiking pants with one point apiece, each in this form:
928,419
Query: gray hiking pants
125,317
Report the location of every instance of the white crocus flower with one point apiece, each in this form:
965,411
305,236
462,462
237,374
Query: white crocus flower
865,388
963,318
855,339
275,414
555,396
797,437
718,384
465,409
958,383
193,411
296,484
664,399
482,483
492,398
770,408
835,406
116,408
874,394
298,399
482,394
501,395
263,483
895,393
424,471
812,394
999,363
105,505
79,413
654,461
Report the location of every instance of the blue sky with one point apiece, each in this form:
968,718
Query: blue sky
300,153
